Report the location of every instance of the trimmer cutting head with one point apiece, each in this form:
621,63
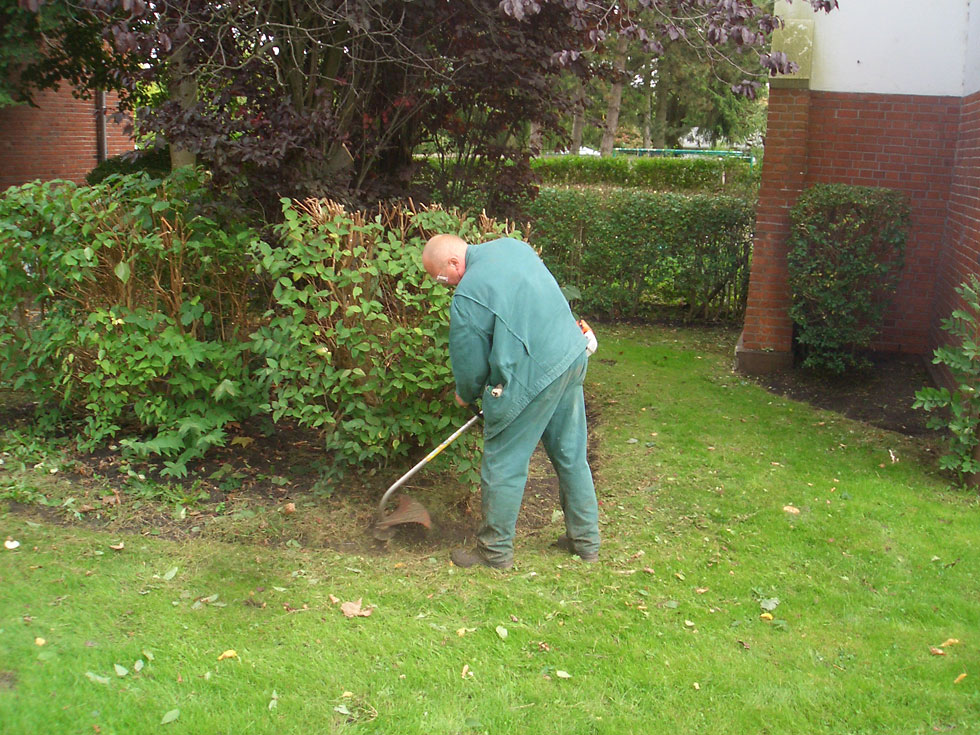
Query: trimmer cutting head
409,510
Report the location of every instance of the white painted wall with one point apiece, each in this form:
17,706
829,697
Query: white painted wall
971,77
922,47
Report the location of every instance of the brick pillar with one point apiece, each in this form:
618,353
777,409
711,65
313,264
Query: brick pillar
767,335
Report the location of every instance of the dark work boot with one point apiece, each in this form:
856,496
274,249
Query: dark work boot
467,558
565,543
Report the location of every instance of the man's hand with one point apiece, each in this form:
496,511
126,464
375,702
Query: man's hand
460,401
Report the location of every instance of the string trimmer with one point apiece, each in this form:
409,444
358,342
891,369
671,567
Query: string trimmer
410,510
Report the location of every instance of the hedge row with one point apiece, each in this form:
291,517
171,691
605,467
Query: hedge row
659,174
629,252
145,316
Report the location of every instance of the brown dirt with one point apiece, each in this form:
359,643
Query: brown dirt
881,396
265,471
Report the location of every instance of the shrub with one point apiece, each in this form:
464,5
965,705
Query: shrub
356,342
846,252
960,407
142,314
129,312
659,174
630,251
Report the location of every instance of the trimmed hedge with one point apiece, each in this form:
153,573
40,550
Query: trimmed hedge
659,174
846,253
630,252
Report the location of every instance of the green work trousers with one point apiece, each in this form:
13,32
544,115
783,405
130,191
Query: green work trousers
556,417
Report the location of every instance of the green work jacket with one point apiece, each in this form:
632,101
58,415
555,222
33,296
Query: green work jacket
509,326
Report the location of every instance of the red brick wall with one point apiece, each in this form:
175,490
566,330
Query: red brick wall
903,142
961,256
767,322
56,140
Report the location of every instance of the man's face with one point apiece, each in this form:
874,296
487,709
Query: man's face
451,273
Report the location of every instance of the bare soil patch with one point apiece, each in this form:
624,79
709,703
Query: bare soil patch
262,489
881,395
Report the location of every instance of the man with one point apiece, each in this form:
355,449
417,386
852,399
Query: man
515,345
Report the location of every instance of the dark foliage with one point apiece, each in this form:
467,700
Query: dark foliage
297,98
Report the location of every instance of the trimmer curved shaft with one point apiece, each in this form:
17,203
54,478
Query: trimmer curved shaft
410,510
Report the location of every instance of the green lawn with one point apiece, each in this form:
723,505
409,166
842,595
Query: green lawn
720,502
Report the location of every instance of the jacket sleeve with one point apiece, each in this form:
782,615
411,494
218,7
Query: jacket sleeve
470,340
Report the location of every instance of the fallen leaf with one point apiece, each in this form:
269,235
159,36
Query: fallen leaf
697,687
242,441
949,642
679,576
274,702
117,547
936,651
138,666
342,709
353,609
649,570
11,544
689,623
959,678
502,632
170,574
563,674
347,695
121,671
463,631
466,672
39,641
769,604
333,598
700,590
514,619
792,509
289,508
96,678
170,716
766,616
230,653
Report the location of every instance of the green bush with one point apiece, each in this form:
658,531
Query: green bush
959,409
356,342
139,313
124,306
629,252
846,252
659,174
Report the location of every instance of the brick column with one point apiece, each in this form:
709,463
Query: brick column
767,335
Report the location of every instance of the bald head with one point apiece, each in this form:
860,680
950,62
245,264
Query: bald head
444,258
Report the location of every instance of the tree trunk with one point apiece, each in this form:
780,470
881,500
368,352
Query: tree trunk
648,99
578,121
661,93
615,100
535,138
183,91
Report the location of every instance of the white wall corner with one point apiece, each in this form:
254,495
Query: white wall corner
913,47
